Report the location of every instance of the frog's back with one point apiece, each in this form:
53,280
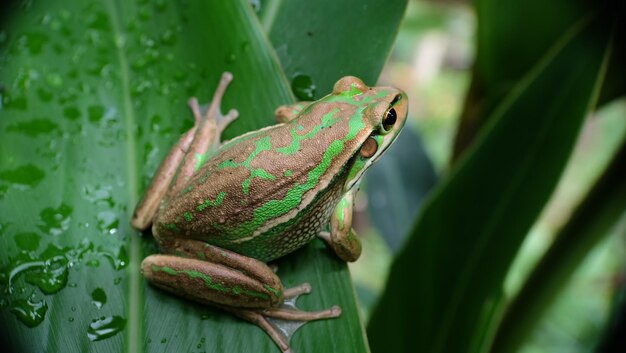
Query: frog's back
282,181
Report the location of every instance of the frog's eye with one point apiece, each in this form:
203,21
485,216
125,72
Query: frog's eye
390,118
369,147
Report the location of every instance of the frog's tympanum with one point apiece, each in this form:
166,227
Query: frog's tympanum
220,211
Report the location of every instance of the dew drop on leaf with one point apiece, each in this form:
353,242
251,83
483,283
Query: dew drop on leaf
55,221
31,313
24,177
98,297
303,87
105,327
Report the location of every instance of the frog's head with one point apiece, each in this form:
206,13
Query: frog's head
383,110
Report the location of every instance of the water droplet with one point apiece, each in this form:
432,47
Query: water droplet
144,13
31,313
27,241
71,113
141,87
24,177
256,5
55,221
44,95
108,222
99,21
117,281
71,319
14,102
231,57
99,297
303,87
160,5
95,113
180,75
120,41
54,79
35,42
105,327
3,191
93,263
164,340
168,37
99,195
52,277
34,127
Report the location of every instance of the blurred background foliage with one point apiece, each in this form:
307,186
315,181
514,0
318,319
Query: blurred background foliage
453,83
458,61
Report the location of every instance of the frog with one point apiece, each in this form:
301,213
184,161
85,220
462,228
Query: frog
221,211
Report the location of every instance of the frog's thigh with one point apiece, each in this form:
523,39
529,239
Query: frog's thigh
342,237
209,282
202,251
286,113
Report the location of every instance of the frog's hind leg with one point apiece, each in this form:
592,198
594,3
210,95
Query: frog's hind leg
282,322
149,204
197,142
241,285
207,137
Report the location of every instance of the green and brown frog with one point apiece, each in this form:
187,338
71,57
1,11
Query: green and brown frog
220,211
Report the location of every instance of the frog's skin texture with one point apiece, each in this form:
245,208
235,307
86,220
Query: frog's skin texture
219,212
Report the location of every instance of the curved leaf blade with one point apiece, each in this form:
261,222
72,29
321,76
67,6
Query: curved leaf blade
591,222
449,275
94,95
320,41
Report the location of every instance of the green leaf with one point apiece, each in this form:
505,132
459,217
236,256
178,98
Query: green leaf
93,95
319,41
445,285
590,223
512,37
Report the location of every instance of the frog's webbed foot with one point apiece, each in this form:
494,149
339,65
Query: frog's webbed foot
212,112
282,322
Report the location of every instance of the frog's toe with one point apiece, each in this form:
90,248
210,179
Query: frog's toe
302,316
294,292
224,120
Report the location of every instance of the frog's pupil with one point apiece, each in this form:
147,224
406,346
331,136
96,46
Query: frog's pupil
390,119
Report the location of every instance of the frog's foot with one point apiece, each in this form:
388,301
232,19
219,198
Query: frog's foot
286,113
282,322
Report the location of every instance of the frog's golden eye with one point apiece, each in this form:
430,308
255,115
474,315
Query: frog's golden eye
369,147
390,118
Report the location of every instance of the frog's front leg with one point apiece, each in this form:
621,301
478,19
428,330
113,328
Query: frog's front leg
286,113
238,284
342,237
